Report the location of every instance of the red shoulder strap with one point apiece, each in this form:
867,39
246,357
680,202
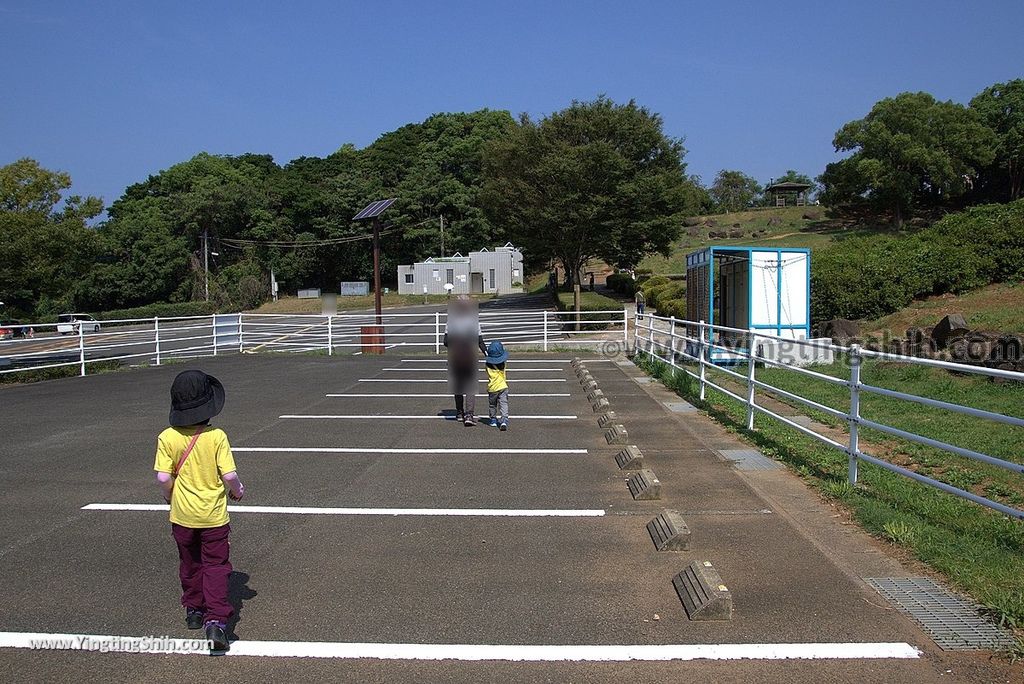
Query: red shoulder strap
188,450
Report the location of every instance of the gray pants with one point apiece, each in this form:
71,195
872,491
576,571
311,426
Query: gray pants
497,404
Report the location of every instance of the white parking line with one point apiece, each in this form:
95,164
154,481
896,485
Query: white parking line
398,450
430,380
469,652
409,417
403,396
428,512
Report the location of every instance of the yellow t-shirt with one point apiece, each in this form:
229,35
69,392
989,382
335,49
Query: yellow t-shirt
496,380
199,499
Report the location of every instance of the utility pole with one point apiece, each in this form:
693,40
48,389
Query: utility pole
442,236
206,262
376,269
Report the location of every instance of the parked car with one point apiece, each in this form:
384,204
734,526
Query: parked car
69,323
11,329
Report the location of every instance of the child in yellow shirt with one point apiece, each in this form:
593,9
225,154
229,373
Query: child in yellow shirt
497,384
196,473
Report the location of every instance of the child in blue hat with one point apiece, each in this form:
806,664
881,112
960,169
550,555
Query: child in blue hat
497,384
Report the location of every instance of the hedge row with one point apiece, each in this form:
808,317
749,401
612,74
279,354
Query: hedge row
874,276
589,301
164,310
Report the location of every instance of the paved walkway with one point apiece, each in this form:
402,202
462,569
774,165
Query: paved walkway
414,549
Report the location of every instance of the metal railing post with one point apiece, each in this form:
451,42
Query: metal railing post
545,330
636,334
240,322
672,344
437,332
854,421
81,347
330,335
625,330
751,364
701,351
214,318
156,335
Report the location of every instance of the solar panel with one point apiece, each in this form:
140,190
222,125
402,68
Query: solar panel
374,209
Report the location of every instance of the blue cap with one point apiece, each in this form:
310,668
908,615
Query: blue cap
496,353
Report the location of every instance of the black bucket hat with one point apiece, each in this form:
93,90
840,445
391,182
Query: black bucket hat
195,397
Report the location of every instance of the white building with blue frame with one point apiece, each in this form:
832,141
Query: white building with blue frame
749,288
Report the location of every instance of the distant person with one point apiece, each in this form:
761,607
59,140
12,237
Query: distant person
196,472
462,338
640,302
497,385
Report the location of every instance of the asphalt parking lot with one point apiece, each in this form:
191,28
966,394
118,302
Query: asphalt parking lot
383,535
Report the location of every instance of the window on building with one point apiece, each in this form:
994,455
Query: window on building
410,278
449,276
490,277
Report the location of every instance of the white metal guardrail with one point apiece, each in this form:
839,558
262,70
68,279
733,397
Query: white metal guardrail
688,347
155,340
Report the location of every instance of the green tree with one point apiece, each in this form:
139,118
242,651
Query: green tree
1001,107
734,190
909,150
597,179
45,247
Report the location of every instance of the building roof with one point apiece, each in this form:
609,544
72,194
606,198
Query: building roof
788,185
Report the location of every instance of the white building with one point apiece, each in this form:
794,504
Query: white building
499,271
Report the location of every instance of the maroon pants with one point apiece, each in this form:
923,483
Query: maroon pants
204,570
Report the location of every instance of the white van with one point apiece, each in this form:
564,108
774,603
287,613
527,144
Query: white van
69,323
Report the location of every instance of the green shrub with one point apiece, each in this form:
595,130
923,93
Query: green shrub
622,283
673,307
653,282
163,309
589,301
674,289
872,277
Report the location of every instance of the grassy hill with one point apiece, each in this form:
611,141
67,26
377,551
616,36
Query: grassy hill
773,227
997,308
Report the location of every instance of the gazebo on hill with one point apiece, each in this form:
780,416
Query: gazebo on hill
788,194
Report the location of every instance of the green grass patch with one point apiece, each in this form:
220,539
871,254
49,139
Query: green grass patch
979,550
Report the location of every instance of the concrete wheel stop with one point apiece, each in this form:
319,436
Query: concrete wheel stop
606,419
644,485
616,434
669,532
630,458
702,592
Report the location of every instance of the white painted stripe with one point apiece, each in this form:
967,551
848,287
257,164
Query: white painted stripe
433,512
398,450
476,652
445,370
403,396
408,417
428,380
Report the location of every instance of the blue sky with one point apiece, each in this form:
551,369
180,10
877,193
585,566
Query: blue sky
114,91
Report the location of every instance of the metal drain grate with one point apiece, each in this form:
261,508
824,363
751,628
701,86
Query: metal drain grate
954,623
749,459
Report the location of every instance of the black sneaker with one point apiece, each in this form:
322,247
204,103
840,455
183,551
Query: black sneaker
460,417
194,618
503,427
217,636
469,422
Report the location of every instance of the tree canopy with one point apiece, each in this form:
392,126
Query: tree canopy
46,246
909,150
597,179
734,190
1001,108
